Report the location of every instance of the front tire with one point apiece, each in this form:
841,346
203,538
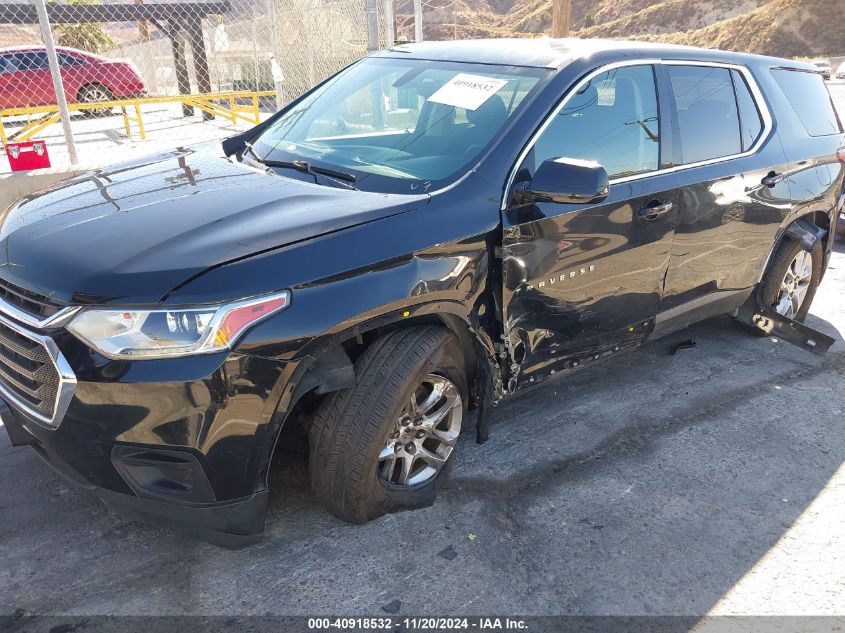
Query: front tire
387,444
791,281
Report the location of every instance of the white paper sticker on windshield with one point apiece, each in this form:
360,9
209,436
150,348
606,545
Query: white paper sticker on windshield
467,91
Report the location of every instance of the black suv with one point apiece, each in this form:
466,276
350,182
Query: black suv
433,228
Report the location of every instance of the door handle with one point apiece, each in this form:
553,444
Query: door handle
654,210
771,179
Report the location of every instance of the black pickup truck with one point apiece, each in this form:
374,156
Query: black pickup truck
430,230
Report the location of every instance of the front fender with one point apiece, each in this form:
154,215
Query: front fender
452,287
333,310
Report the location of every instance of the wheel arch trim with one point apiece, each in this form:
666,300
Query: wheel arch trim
325,365
801,229
805,233
475,341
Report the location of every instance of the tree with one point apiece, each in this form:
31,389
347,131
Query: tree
89,37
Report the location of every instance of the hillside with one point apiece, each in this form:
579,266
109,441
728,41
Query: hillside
669,17
786,28
774,27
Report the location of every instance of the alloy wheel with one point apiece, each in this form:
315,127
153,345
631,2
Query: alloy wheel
424,434
795,284
96,94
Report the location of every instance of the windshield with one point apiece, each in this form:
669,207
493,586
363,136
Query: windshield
400,125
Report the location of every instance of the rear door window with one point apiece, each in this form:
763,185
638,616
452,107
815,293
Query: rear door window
809,98
708,115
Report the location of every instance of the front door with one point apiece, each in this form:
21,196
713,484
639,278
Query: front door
13,82
583,281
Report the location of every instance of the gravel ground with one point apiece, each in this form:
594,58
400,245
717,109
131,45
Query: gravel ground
711,481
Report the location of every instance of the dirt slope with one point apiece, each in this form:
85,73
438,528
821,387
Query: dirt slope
785,28
774,27
669,17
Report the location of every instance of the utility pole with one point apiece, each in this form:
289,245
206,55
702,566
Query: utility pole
390,23
561,17
372,26
276,60
53,61
418,21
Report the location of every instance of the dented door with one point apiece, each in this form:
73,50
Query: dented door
583,281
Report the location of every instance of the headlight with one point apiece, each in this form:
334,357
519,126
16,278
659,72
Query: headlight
121,334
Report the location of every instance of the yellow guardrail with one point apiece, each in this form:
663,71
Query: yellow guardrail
219,104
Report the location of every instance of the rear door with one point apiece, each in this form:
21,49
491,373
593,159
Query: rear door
581,281
733,196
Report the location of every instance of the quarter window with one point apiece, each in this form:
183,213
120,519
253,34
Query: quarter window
707,112
809,98
750,122
612,120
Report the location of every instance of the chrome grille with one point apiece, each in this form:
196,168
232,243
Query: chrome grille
37,306
26,369
34,377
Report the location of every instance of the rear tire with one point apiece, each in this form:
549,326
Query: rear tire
790,283
93,93
373,448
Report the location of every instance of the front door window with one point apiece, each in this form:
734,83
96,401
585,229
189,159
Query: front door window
611,120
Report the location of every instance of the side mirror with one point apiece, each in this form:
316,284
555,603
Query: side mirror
567,181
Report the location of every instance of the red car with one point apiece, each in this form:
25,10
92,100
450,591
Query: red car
25,77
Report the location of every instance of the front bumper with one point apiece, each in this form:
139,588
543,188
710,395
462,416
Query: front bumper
231,524
182,442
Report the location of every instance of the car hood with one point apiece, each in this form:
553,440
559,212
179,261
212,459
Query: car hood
135,231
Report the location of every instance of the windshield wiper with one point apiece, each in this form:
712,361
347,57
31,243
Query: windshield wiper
340,178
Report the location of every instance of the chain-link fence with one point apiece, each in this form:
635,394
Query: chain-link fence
144,75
